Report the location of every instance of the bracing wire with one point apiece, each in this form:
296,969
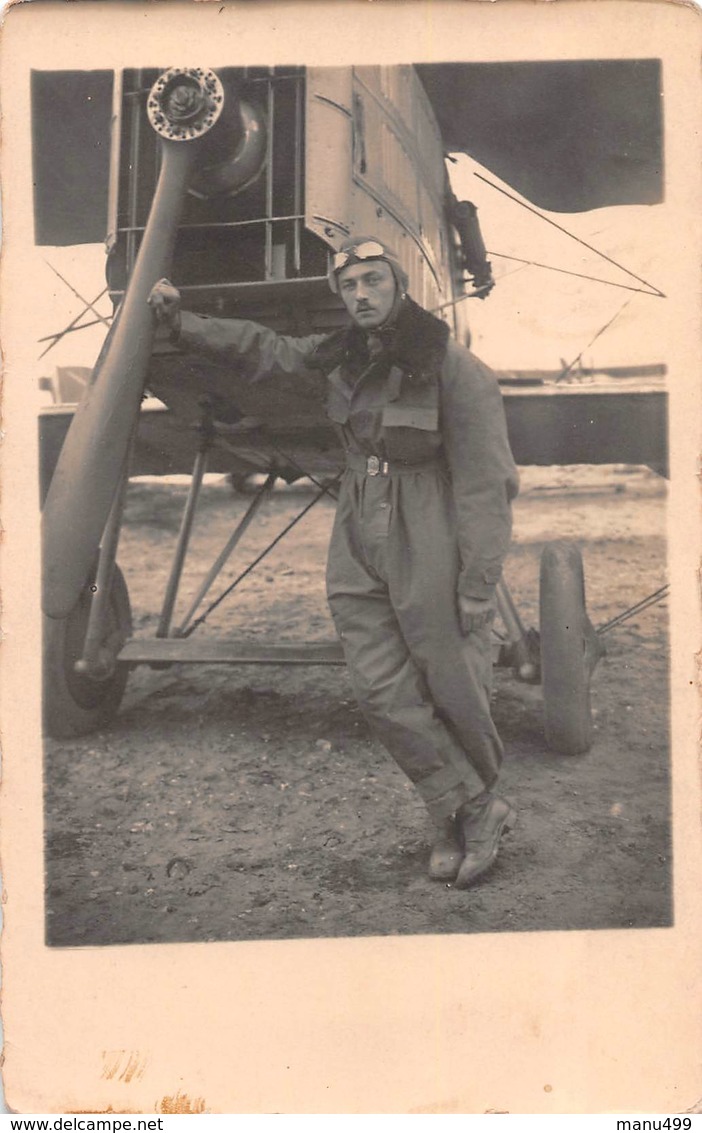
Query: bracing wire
88,305
566,370
653,290
577,274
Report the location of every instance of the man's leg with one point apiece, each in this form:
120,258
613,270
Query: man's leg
389,686
423,567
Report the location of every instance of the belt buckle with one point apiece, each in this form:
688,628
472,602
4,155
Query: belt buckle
373,465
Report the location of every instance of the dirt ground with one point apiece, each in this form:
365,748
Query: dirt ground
229,803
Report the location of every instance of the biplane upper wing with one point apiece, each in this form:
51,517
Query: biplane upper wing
569,136
71,112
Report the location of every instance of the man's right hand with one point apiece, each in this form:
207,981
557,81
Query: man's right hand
475,613
165,302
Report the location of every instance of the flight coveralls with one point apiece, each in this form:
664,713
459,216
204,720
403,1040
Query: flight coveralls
423,515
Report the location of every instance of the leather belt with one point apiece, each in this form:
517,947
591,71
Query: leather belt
378,466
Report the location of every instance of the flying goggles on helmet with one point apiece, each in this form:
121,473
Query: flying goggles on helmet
359,251
368,250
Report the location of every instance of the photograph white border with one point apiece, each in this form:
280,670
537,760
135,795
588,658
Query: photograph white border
560,1022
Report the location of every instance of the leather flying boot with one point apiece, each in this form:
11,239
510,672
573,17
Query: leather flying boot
482,824
447,852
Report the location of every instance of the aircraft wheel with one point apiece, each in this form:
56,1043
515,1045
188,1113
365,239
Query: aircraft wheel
239,481
566,650
75,703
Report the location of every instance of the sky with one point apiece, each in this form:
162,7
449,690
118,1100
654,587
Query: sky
534,318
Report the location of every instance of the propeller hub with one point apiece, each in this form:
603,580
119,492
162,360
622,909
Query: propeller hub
184,103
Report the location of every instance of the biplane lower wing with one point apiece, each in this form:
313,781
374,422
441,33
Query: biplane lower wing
617,422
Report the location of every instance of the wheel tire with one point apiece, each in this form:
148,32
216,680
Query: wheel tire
239,482
73,702
565,660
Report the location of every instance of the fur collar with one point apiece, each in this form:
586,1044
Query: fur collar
415,341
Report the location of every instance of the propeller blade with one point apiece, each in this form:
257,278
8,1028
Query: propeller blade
183,105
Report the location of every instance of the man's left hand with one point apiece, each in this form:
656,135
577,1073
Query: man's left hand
475,613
